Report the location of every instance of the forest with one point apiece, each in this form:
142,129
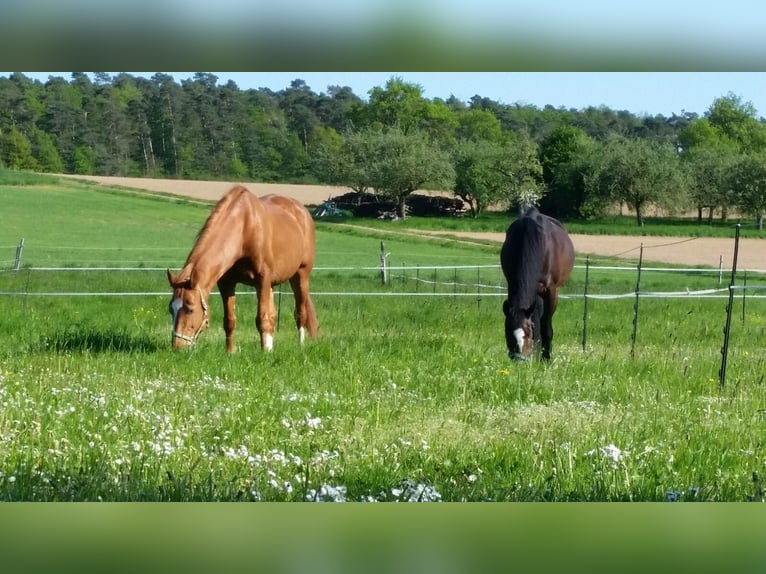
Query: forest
577,163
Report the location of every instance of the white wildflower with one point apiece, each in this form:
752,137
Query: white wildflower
327,493
313,422
610,451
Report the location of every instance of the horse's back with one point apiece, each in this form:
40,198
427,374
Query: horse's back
556,252
561,247
292,227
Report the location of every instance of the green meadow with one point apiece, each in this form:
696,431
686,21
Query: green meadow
406,395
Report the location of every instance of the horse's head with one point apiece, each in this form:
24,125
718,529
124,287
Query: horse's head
189,310
520,334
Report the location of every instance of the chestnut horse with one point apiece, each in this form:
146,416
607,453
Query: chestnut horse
537,257
258,241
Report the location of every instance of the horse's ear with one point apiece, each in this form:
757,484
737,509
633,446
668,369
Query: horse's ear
178,280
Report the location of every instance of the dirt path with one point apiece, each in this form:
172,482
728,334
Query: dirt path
214,190
703,251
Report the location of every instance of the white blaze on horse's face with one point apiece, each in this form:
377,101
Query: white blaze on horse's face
301,334
268,342
175,306
518,334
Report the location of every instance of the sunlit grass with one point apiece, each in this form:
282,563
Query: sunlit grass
414,399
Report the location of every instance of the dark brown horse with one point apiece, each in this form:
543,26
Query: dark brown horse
258,241
537,258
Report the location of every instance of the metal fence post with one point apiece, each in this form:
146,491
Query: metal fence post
729,308
635,305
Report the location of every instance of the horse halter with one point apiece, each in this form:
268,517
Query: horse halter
204,323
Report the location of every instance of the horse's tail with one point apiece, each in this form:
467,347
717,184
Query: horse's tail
312,323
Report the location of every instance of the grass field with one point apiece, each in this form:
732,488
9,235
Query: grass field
402,397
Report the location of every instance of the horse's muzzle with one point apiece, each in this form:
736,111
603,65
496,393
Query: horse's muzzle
518,357
190,341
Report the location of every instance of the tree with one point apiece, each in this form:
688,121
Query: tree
298,103
62,117
478,124
699,132
140,111
708,151
116,135
480,173
336,109
737,121
269,148
347,162
16,151
748,179
439,122
326,155
404,162
638,173
391,162
201,128
709,169
399,104
84,160
164,112
524,172
45,152
564,158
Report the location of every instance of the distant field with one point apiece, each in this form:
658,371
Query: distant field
213,190
710,251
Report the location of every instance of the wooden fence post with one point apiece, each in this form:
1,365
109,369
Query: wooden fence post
585,306
383,264
19,252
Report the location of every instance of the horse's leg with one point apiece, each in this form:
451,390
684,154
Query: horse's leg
300,306
229,316
266,317
305,315
546,322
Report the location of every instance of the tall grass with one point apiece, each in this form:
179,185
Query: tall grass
402,397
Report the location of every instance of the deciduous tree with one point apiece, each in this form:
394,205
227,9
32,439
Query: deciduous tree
748,179
639,173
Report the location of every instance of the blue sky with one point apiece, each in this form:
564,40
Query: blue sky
637,92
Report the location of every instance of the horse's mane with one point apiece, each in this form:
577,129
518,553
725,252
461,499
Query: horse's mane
220,210
523,260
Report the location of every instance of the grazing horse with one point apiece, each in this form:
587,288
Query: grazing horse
537,257
258,241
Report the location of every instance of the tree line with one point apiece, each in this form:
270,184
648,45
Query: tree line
573,163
